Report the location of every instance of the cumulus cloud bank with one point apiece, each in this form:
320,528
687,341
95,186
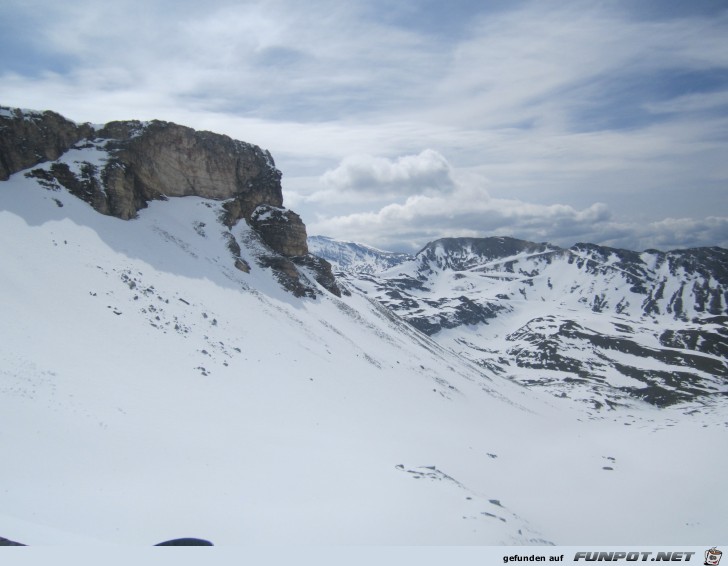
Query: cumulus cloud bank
434,203
464,207
411,173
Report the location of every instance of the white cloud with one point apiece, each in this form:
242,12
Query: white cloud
542,64
410,225
466,208
419,173
553,106
672,233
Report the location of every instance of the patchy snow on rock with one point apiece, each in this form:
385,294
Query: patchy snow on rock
618,325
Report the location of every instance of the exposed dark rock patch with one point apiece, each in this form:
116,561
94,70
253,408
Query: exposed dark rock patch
287,274
707,340
321,271
29,138
281,229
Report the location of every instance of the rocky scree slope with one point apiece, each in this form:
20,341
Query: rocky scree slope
136,162
600,325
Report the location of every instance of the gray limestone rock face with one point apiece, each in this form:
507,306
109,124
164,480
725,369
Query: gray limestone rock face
161,159
147,161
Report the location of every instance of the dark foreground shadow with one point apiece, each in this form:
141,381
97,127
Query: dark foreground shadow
187,541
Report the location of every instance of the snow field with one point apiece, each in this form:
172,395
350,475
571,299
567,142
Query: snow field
149,390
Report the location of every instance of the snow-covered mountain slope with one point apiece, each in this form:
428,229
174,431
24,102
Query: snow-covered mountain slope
149,389
350,256
594,324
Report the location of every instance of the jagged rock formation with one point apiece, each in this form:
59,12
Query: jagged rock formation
143,161
160,159
282,229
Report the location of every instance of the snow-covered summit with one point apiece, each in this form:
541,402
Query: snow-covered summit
351,256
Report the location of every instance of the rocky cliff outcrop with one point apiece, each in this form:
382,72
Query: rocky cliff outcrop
160,159
28,138
144,161
153,160
282,229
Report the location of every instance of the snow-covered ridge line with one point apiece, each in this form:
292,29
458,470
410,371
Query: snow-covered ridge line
25,113
486,299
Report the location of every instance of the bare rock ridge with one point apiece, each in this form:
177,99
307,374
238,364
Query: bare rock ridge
145,161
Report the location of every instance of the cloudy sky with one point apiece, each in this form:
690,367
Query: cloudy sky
396,123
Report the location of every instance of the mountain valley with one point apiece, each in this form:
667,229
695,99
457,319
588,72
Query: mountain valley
180,359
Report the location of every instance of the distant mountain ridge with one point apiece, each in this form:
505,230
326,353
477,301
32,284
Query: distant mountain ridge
464,253
351,256
601,323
